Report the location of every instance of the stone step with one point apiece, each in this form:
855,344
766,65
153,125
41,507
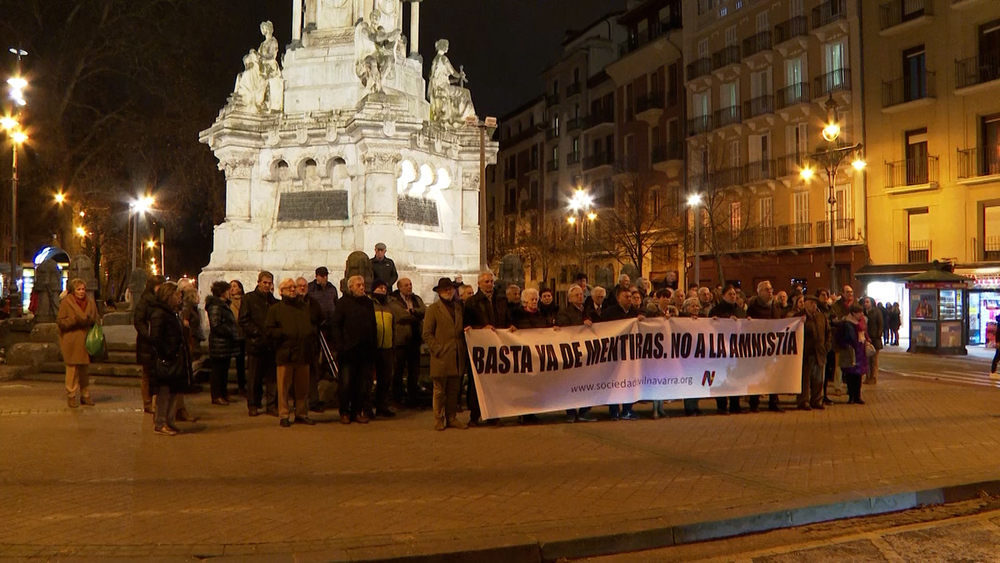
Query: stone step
102,380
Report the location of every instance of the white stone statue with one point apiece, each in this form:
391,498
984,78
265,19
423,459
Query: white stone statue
260,87
450,101
331,14
377,52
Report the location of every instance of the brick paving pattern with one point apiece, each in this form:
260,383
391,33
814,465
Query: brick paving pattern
98,482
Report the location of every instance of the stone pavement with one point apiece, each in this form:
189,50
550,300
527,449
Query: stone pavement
97,482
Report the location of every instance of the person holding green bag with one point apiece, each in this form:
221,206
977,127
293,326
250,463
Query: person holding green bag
77,315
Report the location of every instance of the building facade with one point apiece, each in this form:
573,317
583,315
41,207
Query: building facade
932,105
758,78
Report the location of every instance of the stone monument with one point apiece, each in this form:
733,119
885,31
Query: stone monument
342,145
358,264
47,287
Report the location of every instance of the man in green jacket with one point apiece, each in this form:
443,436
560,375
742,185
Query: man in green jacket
384,350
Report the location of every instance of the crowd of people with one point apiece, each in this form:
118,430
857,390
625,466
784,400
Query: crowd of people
375,333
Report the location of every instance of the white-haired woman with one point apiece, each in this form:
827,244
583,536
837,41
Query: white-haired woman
530,315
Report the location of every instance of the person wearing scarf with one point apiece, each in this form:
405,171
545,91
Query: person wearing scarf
77,314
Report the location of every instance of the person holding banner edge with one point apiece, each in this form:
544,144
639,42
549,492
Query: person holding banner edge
485,309
623,309
528,316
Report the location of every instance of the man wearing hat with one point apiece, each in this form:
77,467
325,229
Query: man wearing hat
445,336
818,341
384,268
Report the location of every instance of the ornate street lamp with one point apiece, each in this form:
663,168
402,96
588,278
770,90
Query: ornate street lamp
694,202
486,129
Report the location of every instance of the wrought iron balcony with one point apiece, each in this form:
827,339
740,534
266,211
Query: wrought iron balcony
760,170
668,151
843,231
652,100
912,172
917,251
761,105
699,68
573,158
977,162
908,89
790,29
980,69
829,12
756,44
597,159
725,57
836,81
551,99
573,124
794,95
897,12
599,118
795,234
727,116
552,165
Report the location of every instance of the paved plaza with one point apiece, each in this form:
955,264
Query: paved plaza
97,481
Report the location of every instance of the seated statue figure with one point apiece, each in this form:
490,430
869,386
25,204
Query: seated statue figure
451,102
250,85
377,52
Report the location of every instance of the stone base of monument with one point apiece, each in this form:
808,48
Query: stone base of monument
118,318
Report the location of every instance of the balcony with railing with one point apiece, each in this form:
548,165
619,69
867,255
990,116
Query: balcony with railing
599,118
790,29
574,123
908,89
551,99
991,248
916,251
835,81
573,89
973,71
552,165
652,33
793,95
725,57
789,165
667,151
650,101
597,160
551,133
699,124
917,172
978,163
757,238
755,107
731,176
795,234
760,170
699,68
843,231
573,158
897,12
828,12
757,43
727,116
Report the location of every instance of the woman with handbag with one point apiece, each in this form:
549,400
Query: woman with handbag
852,354
171,358
77,315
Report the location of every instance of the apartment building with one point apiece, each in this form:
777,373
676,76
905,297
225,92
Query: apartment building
932,105
759,76
649,131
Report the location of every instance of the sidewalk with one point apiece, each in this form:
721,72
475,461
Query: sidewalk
96,482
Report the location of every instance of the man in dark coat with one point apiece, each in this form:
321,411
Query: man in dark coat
408,311
575,314
143,345
485,309
383,268
817,343
875,327
623,309
354,338
316,317
262,377
325,294
764,306
291,327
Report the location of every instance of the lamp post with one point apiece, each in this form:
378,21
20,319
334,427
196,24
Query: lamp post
486,129
694,202
135,209
580,207
831,158
17,136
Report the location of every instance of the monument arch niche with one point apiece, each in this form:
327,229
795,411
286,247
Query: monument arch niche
350,155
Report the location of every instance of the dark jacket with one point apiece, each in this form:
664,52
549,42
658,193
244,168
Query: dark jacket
875,327
571,316
140,320
222,334
480,311
723,309
847,341
839,309
289,326
893,320
169,343
253,316
538,319
353,328
818,338
407,330
592,312
326,296
549,311
759,310
385,271
614,312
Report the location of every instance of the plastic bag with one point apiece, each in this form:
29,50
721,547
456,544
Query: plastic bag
95,341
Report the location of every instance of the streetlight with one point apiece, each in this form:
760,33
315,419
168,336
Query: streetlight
486,128
831,160
81,232
18,137
60,198
138,207
694,202
580,206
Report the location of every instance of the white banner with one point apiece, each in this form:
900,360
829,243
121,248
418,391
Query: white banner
541,370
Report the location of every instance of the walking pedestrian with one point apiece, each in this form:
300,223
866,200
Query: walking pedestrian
290,327
354,338
77,315
444,335
171,357
262,378
222,337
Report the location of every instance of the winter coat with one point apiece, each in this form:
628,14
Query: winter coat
848,341
384,270
167,334
818,337
894,320
290,328
724,309
140,319
481,311
549,311
74,323
571,316
383,323
756,309
234,306
253,315
353,328
875,327
614,312
406,330
222,333
537,319
326,296
444,335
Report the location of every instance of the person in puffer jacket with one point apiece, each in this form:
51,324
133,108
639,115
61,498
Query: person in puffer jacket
385,352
